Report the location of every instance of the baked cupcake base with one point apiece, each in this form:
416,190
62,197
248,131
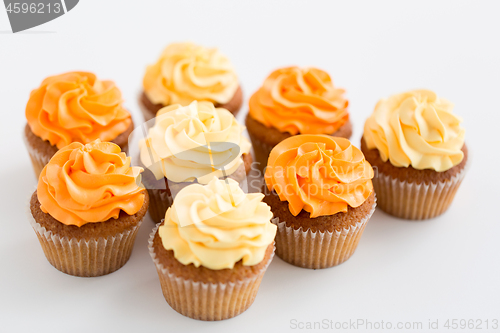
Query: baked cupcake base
202,293
41,151
414,194
264,138
320,242
93,249
149,109
162,192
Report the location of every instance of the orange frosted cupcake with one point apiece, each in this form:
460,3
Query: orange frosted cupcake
88,208
321,194
186,72
191,144
294,101
74,107
213,249
417,146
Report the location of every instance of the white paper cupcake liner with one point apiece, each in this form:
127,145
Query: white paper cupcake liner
206,301
86,258
414,201
318,249
38,159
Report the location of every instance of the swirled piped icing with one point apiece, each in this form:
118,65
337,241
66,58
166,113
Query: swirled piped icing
216,225
417,129
186,72
89,183
76,107
320,174
195,142
300,100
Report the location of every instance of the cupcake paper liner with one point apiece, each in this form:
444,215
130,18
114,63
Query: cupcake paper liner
318,249
86,258
206,301
38,159
414,201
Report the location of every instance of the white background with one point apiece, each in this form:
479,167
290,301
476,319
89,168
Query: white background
445,268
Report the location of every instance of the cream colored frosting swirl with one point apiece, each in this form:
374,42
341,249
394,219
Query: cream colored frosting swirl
186,72
197,141
217,225
416,128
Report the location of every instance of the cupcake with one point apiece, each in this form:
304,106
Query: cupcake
416,144
320,191
88,208
212,249
186,72
73,107
295,101
191,144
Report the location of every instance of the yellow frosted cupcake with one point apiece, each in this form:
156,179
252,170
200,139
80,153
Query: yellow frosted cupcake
191,144
186,72
416,144
213,249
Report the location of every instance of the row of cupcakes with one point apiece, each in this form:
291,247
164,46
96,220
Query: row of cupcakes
319,190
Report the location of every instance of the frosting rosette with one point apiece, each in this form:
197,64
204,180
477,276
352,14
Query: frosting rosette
216,225
300,100
320,174
418,129
89,183
195,142
76,107
186,72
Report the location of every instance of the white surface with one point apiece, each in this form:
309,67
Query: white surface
446,268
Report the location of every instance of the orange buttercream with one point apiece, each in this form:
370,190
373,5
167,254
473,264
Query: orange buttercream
300,100
89,183
319,173
76,107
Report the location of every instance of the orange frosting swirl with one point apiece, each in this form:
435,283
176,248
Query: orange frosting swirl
89,183
320,174
76,107
300,100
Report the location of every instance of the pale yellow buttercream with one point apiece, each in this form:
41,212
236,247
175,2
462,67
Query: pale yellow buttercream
416,128
217,225
186,72
195,142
